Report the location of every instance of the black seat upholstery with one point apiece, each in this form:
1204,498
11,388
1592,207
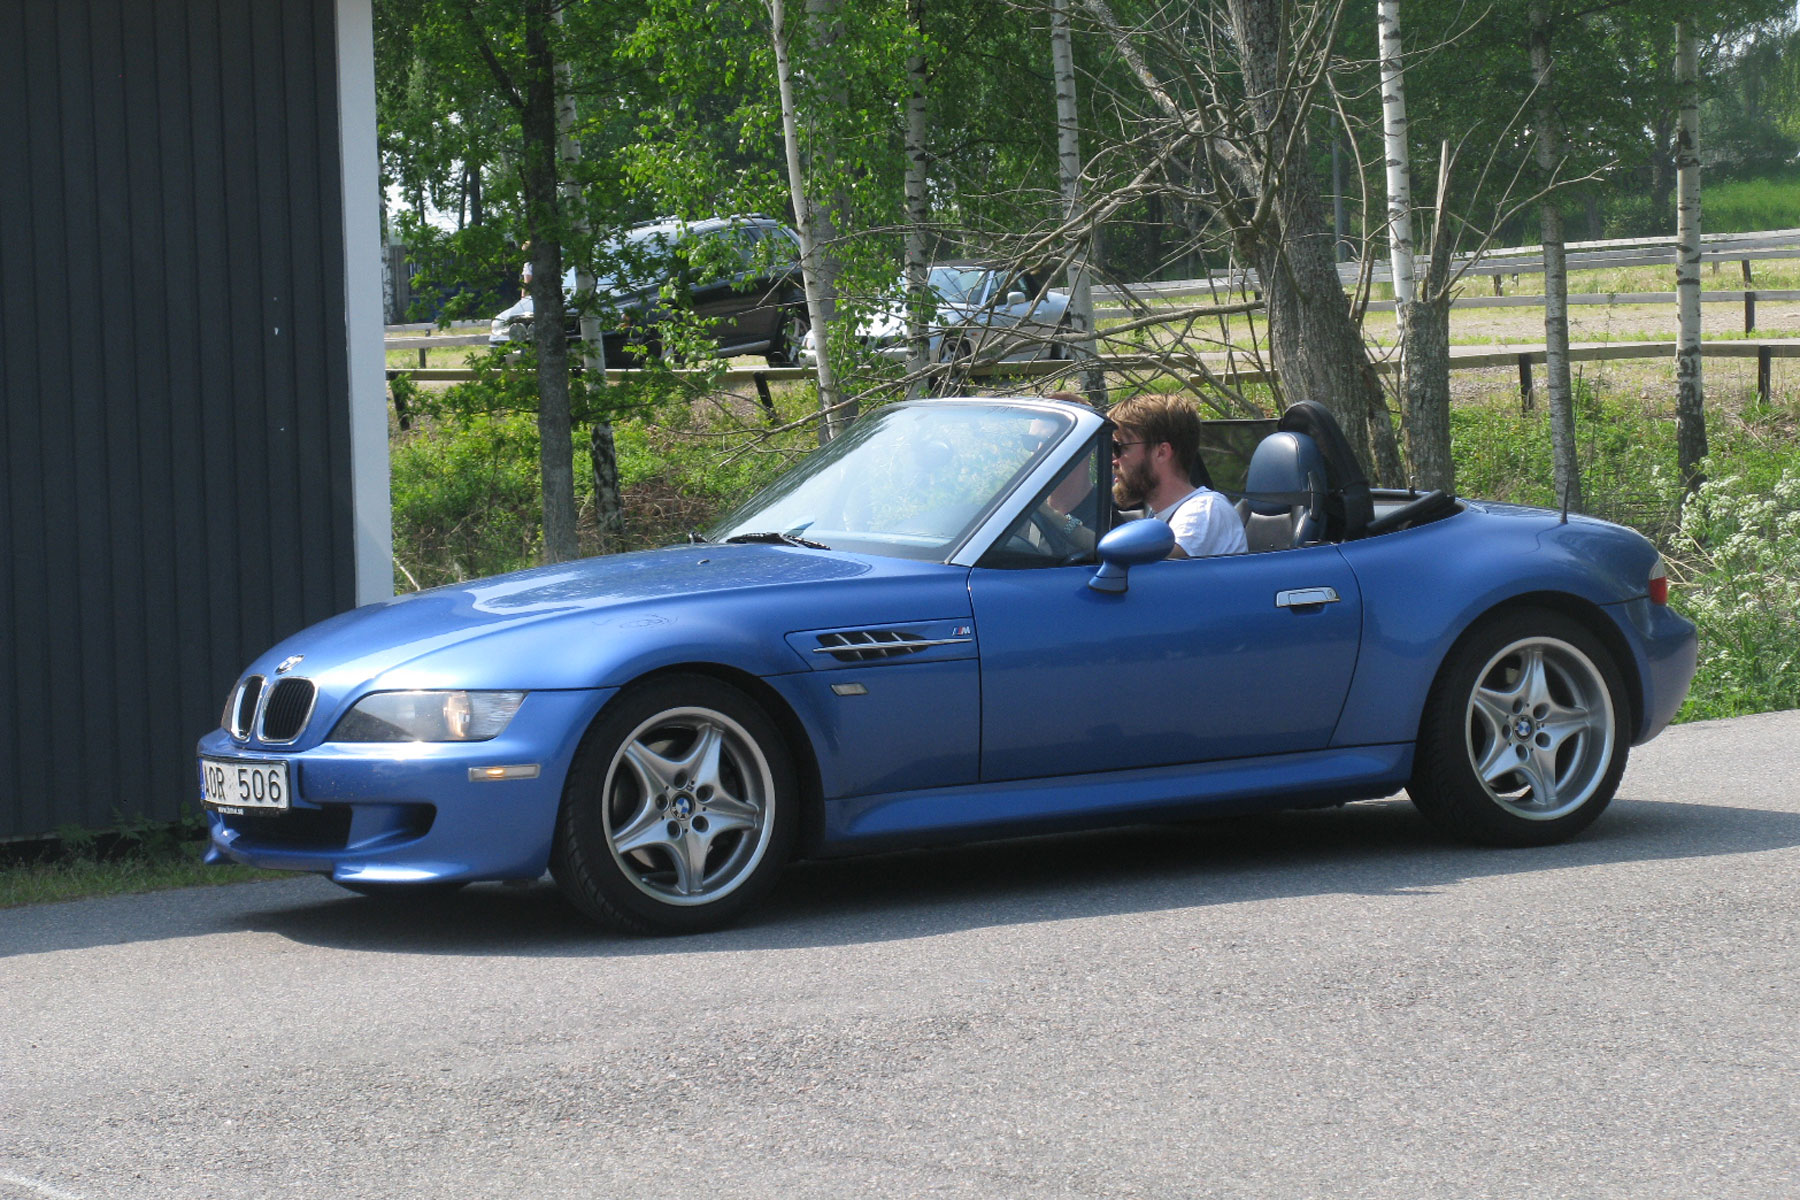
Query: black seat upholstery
1284,493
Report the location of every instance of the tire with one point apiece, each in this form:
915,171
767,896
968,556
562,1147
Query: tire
402,892
680,809
1524,736
786,350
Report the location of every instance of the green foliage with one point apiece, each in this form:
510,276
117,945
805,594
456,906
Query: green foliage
1504,454
465,498
1737,562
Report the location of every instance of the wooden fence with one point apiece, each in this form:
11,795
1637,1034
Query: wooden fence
1462,358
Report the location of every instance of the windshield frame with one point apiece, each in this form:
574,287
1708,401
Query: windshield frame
1001,510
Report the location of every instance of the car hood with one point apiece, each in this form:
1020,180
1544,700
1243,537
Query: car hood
597,622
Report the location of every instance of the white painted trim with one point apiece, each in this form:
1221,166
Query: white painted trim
371,503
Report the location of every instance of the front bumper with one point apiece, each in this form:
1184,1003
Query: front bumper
410,812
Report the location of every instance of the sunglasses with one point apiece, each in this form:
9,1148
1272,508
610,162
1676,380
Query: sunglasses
1119,448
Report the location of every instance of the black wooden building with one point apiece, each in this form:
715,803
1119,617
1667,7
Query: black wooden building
192,420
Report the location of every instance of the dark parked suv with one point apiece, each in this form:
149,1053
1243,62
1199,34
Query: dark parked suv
739,275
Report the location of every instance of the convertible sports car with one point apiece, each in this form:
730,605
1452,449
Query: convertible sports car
913,637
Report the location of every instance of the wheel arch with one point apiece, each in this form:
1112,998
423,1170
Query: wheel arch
1583,612
793,734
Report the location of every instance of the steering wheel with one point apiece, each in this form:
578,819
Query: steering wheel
1057,541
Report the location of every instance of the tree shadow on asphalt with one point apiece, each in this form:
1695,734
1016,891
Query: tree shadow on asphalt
1377,848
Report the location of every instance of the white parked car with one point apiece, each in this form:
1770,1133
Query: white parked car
984,311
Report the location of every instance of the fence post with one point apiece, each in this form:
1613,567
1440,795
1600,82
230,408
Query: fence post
1497,290
1765,361
1749,312
1525,392
1745,264
763,397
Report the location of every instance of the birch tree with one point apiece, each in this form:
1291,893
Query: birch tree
609,507
813,223
918,207
1549,155
1068,156
1399,159
1690,396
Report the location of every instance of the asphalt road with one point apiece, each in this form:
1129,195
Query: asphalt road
1316,1004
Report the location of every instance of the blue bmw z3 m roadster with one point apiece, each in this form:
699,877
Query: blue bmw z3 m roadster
938,628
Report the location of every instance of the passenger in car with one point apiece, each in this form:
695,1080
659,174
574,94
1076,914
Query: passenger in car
1156,441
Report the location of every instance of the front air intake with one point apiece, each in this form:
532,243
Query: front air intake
290,704
243,711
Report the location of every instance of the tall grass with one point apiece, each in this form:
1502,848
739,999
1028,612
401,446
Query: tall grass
1751,205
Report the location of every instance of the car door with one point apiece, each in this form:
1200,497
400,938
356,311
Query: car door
1199,659
716,272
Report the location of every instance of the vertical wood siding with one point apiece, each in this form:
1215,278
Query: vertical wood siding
175,434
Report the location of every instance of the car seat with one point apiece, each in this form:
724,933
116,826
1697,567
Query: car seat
1283,501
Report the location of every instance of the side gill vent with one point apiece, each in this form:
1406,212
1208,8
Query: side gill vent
866,645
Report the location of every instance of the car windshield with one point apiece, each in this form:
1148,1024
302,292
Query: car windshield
910,481
959,285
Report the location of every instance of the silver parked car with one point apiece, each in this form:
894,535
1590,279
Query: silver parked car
983,311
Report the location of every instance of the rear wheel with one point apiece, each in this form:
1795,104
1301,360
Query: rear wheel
679,811
1524,738
785,352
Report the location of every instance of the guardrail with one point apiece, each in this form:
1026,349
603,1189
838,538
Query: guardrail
1742,248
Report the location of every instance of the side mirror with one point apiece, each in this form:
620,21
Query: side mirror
1129,546
1014,299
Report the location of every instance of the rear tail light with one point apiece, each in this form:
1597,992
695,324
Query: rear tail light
1659,583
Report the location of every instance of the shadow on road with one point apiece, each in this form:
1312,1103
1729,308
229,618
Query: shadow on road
1376,848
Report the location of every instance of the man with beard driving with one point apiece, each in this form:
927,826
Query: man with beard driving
1156,442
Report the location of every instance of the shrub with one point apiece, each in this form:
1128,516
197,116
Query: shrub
466,500
1737,559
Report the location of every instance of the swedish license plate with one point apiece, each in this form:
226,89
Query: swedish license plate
244,785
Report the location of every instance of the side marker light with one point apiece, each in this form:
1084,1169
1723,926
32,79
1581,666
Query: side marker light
515,771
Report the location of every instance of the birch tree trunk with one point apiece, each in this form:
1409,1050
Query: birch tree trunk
543,222
1690,394
1556,270
810,221
1068,154
609,508
918,165
1399,161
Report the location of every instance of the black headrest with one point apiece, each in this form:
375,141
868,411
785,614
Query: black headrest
1349,509
1286,469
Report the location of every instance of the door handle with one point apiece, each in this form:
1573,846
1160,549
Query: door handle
1310,597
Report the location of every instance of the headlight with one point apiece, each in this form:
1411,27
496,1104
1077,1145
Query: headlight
428,717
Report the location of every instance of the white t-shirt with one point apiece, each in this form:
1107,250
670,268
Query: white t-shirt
1205,524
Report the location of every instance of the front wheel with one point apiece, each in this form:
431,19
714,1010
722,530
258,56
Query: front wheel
1524,736
679,811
